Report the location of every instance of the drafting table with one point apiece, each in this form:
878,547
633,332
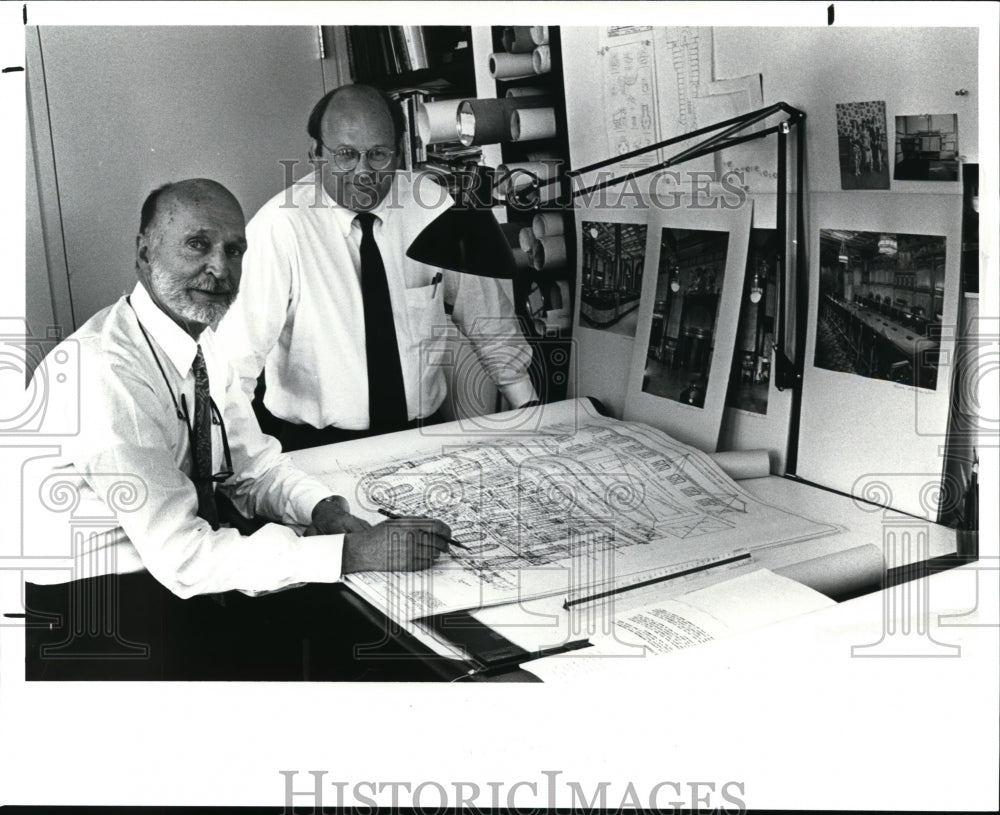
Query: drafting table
906,542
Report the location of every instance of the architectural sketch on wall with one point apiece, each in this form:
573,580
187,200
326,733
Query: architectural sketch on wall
613,258
862,146
658,83
881,297
630,99
926,148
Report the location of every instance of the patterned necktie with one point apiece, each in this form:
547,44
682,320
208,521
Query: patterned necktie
202,453
386,394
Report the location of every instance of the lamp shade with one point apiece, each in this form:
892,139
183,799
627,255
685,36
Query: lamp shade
465,239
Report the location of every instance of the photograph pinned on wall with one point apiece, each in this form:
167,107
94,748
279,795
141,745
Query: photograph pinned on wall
683,351
614,255
750,376
881,297
862,146
926,148
688,287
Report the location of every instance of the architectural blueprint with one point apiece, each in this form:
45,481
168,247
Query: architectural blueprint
573,510
659,83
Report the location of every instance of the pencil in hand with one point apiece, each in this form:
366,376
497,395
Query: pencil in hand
395,517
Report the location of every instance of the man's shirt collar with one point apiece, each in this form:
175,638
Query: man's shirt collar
176,343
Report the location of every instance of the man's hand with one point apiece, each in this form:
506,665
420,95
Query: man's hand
332,516
399,545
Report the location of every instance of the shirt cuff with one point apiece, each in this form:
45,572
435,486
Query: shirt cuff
318,558
306,500
519,392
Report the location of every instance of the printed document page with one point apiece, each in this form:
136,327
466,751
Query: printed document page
754,599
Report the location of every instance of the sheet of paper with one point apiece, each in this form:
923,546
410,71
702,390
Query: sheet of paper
578,507
751,600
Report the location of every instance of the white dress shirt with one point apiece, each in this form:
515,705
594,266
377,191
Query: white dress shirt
130,432
300,318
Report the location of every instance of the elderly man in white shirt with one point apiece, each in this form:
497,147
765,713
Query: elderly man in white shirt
306,314
160,406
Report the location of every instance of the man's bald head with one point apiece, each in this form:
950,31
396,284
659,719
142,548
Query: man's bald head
192,190
364,97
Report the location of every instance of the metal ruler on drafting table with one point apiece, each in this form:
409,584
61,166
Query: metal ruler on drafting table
676,571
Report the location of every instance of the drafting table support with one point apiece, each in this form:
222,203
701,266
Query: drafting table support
725,134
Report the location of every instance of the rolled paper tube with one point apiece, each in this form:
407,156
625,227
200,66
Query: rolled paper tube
512,66
481,121
522,260
841,575
513,93
487,121
542,155
547,224
512,232
540,34
517,39
541,60
526,240
519,174
438,121
740,464
549,252
535,123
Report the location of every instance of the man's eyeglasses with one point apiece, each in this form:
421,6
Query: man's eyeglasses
227,471
346,157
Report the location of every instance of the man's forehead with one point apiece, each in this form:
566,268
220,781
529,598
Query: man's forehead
357,112
207,209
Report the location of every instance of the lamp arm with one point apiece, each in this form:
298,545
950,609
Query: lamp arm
714,143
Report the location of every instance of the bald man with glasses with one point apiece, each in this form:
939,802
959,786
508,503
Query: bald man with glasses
345,327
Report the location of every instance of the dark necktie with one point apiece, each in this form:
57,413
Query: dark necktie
202,453
386,394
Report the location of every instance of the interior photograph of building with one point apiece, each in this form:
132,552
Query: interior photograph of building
681,337
751,371
926,148
880,302
613,258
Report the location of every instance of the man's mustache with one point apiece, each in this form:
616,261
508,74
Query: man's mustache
213,286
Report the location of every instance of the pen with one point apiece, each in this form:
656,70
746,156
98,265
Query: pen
435,280
393,516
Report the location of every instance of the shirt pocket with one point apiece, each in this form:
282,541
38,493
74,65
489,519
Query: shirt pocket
428,324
